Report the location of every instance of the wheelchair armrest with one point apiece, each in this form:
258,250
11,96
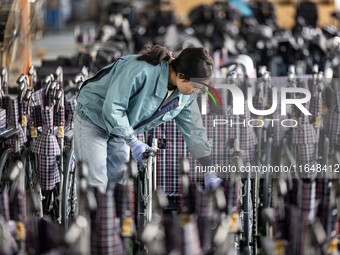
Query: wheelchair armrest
8,134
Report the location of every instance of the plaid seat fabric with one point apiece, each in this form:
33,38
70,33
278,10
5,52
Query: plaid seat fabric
124,200
47,148
105,238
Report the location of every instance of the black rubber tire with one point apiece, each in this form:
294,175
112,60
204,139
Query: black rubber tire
69,191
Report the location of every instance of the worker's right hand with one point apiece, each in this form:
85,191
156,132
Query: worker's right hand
137,150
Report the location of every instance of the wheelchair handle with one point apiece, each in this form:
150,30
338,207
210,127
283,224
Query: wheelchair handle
148,154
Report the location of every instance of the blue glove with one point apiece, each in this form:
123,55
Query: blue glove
211,180
137,150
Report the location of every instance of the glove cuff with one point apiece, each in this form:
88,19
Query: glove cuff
132,141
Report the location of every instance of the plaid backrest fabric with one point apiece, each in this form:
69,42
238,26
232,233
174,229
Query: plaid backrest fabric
12,109
39,97
36,116
304,133
222,136
47,148
47,172
168,160
70,107
46,145
59,116
48,114
105,238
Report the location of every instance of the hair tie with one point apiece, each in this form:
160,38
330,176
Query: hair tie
171,56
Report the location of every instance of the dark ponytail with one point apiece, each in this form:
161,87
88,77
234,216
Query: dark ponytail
191,62
194,63
155,54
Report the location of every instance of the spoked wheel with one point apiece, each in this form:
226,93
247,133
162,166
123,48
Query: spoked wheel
141,208
246,247
7,158
33,189
149,187
69,193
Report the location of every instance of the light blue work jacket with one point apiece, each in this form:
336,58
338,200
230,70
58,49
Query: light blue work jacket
126,93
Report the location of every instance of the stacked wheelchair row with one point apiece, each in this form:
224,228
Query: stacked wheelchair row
36,149
292,209
253,212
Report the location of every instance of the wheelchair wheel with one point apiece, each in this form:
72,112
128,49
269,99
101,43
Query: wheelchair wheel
69,195
34,193
6,159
